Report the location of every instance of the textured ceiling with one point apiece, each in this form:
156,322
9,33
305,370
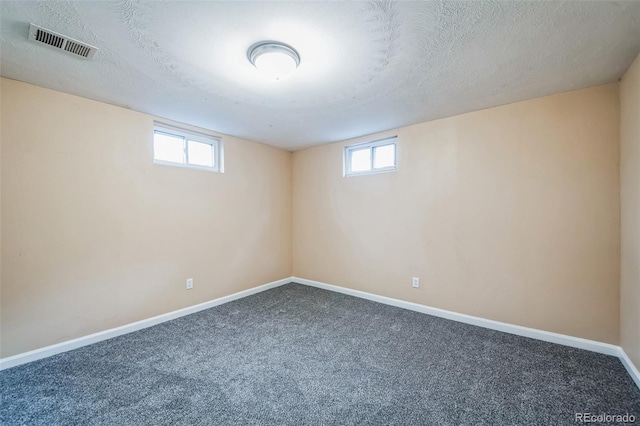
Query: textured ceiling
366,66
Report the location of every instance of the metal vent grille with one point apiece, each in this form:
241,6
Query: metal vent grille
48,38
76,48
61,42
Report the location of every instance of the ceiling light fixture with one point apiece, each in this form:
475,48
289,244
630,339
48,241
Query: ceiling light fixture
275,60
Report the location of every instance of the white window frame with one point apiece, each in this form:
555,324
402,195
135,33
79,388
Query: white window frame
189,135
348,151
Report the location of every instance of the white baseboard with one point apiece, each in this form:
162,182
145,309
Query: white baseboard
633,371
547,336
562,339
68,345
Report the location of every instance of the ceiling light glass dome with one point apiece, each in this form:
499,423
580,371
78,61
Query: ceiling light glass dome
276,61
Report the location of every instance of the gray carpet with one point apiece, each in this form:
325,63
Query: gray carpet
297,355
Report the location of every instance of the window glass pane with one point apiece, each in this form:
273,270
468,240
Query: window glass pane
361,160
200,154
168,148
384,156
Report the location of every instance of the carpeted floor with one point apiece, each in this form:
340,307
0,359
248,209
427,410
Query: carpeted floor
297,355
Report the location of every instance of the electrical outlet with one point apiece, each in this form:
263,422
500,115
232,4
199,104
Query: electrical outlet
416,282
189,283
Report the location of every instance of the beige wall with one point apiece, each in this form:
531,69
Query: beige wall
510,213
630,198
94,235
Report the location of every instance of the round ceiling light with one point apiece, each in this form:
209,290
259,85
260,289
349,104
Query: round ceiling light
276,61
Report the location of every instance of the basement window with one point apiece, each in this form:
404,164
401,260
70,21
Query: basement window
371,157
174,146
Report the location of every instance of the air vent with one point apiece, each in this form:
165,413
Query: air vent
61,42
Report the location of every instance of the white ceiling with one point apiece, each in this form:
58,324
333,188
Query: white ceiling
366,66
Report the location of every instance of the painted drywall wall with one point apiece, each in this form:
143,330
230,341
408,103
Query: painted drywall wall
94,235
630,212
510,214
